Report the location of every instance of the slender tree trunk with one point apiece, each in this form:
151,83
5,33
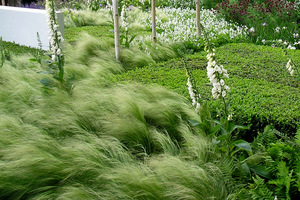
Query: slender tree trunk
16,3
116,28
3,2
198,18
153,22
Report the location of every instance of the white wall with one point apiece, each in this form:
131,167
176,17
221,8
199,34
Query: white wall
20,25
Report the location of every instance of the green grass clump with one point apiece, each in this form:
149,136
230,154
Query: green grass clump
17,49
72,34
101,141
85,17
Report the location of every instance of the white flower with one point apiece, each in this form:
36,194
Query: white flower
290,67
292,72
291,47
55,37
222,82
263,41
223,93
180,26
215,74
192,94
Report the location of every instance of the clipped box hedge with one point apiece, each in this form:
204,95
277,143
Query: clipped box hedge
262,91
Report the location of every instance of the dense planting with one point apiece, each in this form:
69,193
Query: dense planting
165,121
266,20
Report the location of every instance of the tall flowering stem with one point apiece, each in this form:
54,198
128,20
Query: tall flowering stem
291,66
115,6
198,18
193,92
55,39
216,73
125,22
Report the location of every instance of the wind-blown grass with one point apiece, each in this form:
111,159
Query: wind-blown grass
101,141
86,17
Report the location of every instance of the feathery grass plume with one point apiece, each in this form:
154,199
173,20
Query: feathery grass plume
197,148
161,52
84,17
88,47
38,166
168,146
105,141
185,180
91,58
30,165
133,58
135,182
138,111
19,88
97,55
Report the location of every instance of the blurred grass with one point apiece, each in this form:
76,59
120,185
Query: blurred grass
72,33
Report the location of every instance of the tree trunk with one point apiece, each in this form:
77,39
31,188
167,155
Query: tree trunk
198,18
16,3
153,22
116,28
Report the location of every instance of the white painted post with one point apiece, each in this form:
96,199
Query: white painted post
153,22
198,18
116,28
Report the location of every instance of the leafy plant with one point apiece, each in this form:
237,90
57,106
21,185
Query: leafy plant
39,53
265,20
4,53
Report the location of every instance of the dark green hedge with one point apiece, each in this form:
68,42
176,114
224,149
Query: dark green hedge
262,91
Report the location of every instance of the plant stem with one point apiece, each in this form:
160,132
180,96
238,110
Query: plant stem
153,23
116,29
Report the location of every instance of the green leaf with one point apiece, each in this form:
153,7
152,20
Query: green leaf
47,82
215,129
214,141
245,168
194,122
48,62
222,137
242,144
260,170
216,121
132,38
33,60
240,127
